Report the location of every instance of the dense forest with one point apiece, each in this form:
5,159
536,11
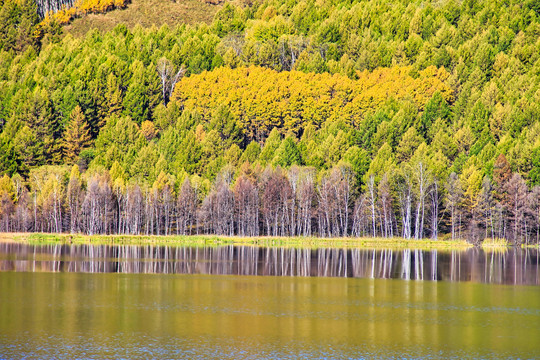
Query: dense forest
365,118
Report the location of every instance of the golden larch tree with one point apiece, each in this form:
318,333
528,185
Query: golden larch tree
77,135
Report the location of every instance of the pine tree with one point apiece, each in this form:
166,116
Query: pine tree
501,175
26,27
135,103
271,145
148,130
8,163
408,145
113,97
534,173
77,135
288,154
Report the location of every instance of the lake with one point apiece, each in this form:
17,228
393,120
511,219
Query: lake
173,302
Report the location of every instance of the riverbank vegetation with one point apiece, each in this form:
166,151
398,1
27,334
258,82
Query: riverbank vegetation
348,118
213,240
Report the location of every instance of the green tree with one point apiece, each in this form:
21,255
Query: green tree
287,154
534,173
8,159
76,135
360,161
136,103
270,146
436,108
408,145
251,154
227,127
383,162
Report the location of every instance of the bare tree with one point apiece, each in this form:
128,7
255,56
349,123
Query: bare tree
517,193
223,210
372,198
167,204
422,179
306,196
23,215
435,199
6,211
97,207
52,204
74,199
273,189
453,199
246,198
343,178
277,202
385,199
90,211
290,48
204,215
486,206
134,209
404,186
294,174
361,218
120,196
334,198
169,76
186,209
534,210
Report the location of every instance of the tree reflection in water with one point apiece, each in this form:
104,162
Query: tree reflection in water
512,266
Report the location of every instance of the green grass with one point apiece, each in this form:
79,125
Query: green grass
146,13
210,240
495,243
531,246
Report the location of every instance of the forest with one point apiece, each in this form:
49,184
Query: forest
410,119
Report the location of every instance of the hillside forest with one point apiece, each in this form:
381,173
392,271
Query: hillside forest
413,119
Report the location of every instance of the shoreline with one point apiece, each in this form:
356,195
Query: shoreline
264,241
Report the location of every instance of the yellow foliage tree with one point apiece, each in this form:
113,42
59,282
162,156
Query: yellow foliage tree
263,99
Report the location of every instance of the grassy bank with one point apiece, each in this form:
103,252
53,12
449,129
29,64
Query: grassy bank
146,13
530,246
208,240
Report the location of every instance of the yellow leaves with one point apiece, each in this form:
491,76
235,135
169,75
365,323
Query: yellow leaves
162,180
471,180
62,17
148,130
6,186
80,8
262,98
200,134
498,119
464,139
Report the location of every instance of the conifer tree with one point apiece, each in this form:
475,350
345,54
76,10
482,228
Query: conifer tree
77,135
534,173
288,154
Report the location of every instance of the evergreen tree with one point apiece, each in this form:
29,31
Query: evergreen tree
270,146
534,173
288,154
8,162
227,127
76,135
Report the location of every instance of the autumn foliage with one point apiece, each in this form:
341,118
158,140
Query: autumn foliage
413,119
263,99
81,8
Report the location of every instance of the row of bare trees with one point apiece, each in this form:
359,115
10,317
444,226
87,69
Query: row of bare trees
277,202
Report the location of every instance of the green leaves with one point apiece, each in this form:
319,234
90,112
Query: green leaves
534,173
288,154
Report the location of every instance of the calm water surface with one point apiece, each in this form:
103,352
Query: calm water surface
55,308
514,266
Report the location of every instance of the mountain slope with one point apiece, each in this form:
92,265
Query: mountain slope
146,13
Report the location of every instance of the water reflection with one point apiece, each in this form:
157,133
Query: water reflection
514,266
